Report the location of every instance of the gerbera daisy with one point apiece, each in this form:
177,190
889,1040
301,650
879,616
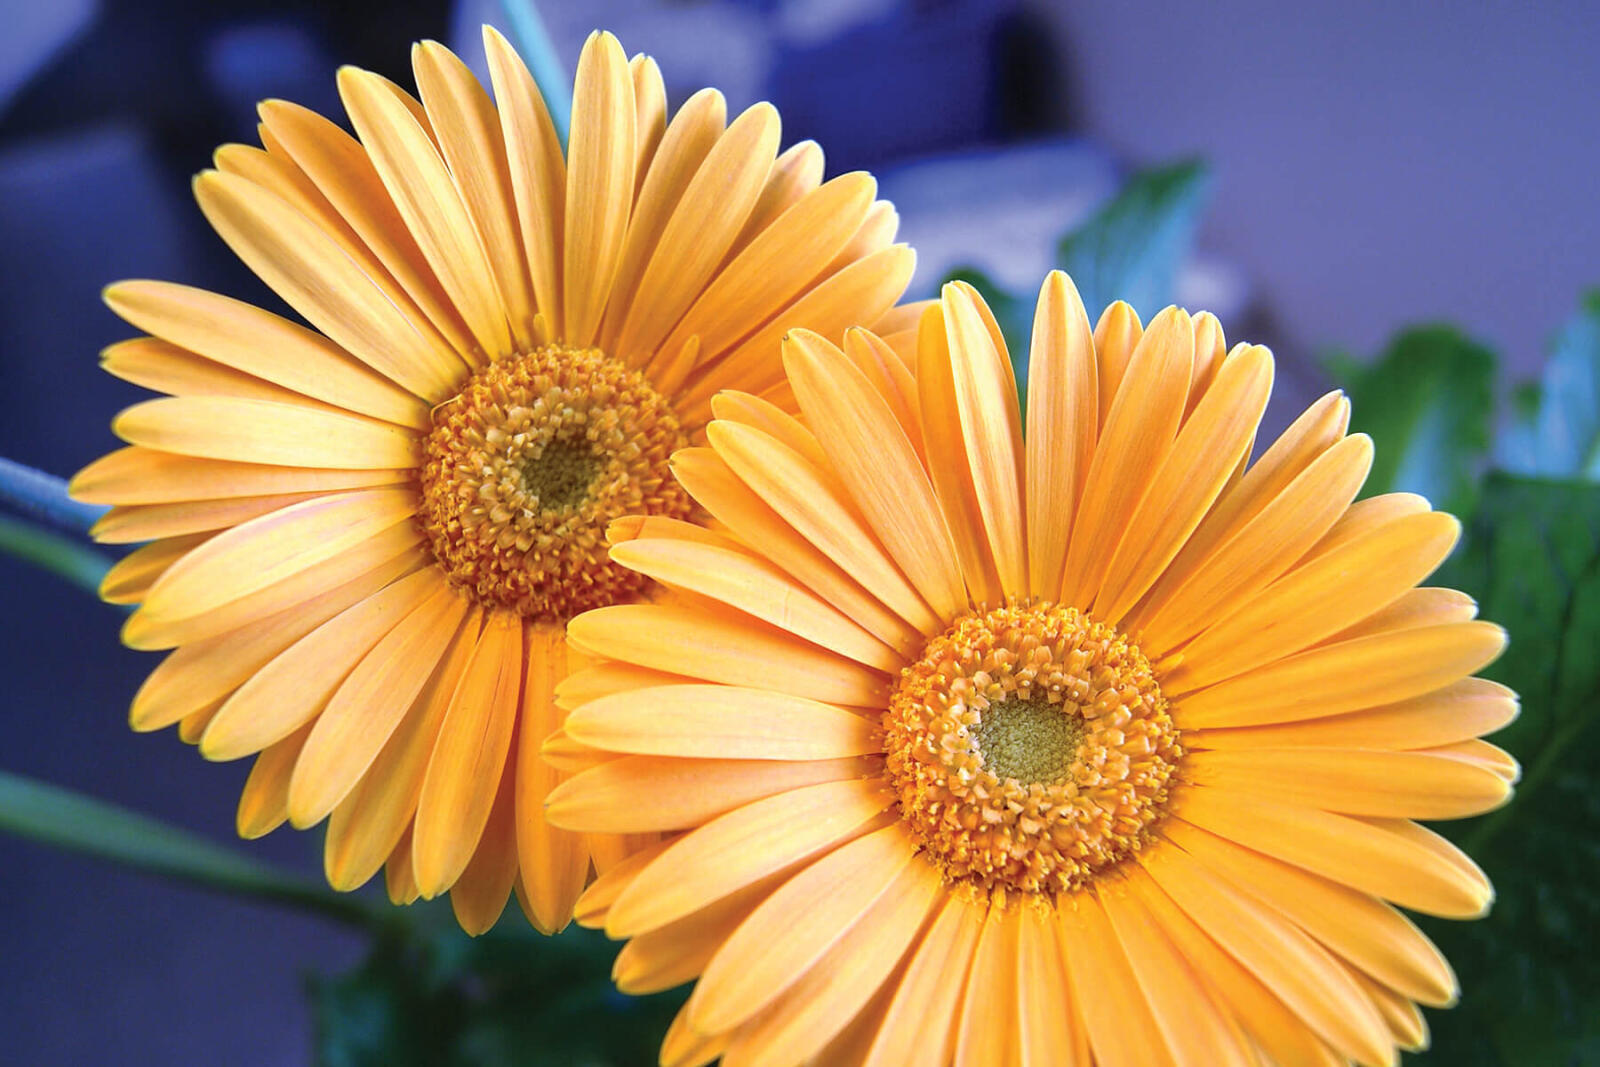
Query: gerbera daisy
1085,744
367,536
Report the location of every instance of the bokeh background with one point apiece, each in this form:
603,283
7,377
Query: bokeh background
1371,167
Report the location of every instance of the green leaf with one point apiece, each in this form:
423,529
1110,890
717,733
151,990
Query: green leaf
433,997
1528,972
1561,436
78,823
1132,248
1428,403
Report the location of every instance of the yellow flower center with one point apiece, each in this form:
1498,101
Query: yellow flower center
527,465
1031,748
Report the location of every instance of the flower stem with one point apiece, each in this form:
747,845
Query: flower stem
44,496
78,564
80,823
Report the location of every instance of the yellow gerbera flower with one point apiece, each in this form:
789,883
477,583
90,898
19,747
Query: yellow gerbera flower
367,538
1085,745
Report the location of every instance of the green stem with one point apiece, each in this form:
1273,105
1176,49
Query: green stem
79,823
533,41
82,566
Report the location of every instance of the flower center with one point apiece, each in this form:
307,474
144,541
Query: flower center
527,465
1031,748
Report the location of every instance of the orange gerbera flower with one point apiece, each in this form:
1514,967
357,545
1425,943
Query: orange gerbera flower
1085,745
368,537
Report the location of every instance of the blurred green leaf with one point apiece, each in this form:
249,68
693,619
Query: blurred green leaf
433,997
1560,436
1529,974
1428,403
1132,248
78,823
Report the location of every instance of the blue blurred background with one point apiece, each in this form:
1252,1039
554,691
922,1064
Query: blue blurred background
1373,166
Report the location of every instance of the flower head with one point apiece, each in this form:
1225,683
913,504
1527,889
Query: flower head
1093,743
367,536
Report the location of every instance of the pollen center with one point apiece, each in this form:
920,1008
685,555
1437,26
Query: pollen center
529,463
1033,741
1031,748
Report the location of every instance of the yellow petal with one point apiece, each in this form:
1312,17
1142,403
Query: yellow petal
538,172
264,803
1138,433
309,270
368,823
270,549
297,684
1362,929
370,703
1459,711
206,671
724,648
130,578
848,976
479,897
945,456
1208,449
1303,975
1122,1027
1408,870
684,792
699,233
757,588
987,1029
1317,599
1317,430
742,847
152,363
1197,1032
144,476
469,757
991,429
343,172
146,522
419,183
859,293
795,173
776,265
792,929
919,1027
555,862
731,502
1344,677
1185,601
694,130
873,457
707,721
470,140
601,158
1282,1035
258,431
1116,335
1051,1027
1063,423
260,344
